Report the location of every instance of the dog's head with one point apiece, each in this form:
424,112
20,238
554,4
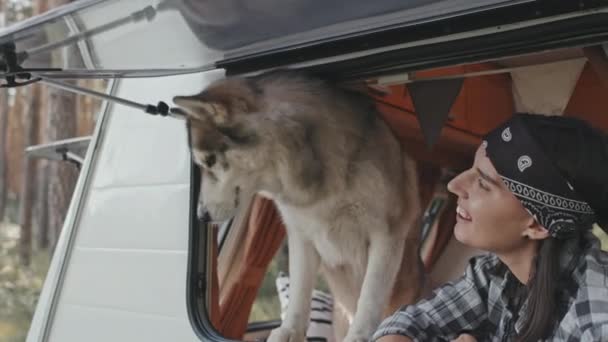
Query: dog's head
226,144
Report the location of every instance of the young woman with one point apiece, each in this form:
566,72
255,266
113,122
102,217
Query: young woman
530,199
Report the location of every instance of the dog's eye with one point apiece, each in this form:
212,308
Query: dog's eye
210,160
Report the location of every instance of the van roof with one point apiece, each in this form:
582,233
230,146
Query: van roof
67,42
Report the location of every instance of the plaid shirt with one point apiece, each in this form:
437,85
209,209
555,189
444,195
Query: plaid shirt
478,303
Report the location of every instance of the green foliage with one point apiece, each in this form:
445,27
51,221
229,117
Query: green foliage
20,286
267,306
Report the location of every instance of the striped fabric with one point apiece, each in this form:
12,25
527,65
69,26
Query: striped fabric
320,326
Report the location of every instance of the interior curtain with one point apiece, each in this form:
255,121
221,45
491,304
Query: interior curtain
264,236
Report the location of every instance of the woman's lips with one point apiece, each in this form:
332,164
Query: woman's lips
462,214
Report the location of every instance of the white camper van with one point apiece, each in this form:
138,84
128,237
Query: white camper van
134,263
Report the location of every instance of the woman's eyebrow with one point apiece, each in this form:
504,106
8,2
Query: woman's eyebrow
486,177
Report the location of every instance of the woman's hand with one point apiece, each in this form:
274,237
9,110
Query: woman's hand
465,338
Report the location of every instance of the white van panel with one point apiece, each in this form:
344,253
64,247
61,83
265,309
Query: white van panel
157,232
137,281
144,152
119,273
101,325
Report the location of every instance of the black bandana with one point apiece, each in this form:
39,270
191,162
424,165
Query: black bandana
535,181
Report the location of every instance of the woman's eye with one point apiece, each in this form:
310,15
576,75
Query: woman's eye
482,184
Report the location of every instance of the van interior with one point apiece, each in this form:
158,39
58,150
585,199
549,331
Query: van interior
475,98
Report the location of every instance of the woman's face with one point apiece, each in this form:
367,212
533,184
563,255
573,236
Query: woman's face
489,216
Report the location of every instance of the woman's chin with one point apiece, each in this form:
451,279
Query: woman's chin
462,232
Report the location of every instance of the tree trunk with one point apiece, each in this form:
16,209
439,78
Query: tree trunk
31,116
4,109
16,147
41,234
61,124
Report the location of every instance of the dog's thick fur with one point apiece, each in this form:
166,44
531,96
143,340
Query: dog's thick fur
346,190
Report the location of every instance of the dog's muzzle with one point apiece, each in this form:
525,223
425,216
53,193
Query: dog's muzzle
203,214
205,217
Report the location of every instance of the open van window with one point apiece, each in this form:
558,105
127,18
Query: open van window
441,74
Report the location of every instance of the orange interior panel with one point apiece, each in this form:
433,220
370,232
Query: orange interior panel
589,100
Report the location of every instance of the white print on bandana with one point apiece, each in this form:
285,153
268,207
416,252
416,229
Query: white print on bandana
523,163
506,134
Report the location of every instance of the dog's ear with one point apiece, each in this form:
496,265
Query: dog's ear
207,136
198,109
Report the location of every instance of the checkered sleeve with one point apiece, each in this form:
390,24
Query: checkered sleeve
591,304
595,334
454,308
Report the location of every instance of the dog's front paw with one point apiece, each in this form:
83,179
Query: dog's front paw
284,334
356,337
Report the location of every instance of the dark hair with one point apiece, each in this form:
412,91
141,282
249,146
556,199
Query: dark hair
580,153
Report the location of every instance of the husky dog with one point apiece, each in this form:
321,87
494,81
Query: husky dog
345,188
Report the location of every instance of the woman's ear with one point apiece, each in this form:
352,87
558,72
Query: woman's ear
534,230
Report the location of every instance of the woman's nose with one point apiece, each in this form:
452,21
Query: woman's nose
457,185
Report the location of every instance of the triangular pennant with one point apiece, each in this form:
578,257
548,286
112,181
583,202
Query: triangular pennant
546,89
433,101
